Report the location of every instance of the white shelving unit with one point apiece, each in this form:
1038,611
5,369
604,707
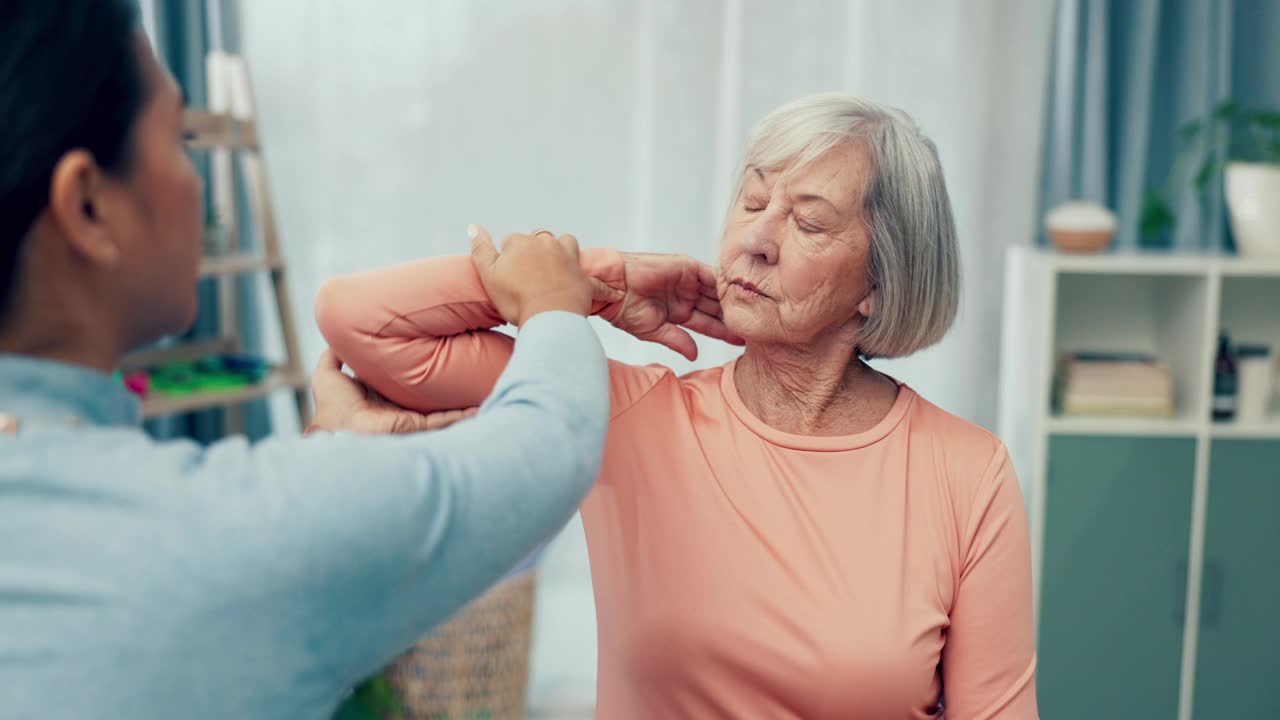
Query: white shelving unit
1172,306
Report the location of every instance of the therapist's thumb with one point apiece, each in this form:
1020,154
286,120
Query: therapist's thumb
483,253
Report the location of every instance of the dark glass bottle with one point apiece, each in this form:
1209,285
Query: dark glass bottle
1224,382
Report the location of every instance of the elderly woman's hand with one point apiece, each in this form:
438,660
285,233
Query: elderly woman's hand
666,293
344,403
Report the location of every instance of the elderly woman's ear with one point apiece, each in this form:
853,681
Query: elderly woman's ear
867,306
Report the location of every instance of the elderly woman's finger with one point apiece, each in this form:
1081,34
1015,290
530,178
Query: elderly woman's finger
712,327
709,306
676,339
707,280
604,292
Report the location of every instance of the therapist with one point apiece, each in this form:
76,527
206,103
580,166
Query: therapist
145,579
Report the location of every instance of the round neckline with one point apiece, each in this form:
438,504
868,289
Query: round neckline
826,443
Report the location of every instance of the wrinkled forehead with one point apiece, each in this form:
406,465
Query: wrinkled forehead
837,171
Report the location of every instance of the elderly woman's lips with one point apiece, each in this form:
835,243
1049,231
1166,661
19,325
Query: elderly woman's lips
746,289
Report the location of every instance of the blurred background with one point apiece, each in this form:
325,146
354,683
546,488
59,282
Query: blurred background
1083,125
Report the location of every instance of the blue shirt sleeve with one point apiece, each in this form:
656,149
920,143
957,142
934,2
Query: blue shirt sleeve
344,549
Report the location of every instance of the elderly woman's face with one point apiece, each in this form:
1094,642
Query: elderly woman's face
793,261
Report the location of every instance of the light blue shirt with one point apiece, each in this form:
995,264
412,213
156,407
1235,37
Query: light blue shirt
146,579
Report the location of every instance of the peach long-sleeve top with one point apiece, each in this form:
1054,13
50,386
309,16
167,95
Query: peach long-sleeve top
740,571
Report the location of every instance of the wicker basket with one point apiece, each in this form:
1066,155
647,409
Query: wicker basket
474,667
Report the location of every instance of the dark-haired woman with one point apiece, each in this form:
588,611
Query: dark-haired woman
141,579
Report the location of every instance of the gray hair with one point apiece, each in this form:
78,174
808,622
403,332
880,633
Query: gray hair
914,262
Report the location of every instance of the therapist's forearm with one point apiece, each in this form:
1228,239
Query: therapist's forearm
401,531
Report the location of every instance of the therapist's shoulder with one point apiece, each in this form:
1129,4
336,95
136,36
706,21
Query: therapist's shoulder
131,457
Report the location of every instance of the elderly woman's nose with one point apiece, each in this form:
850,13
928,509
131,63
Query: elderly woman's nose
762,239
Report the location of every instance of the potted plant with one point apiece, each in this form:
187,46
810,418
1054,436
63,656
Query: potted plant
1244,143
373,699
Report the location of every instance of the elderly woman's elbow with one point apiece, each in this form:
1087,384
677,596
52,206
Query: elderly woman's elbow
335,311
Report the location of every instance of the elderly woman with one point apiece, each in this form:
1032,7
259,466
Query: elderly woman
794,534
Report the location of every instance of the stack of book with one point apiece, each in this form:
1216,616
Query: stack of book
1115,385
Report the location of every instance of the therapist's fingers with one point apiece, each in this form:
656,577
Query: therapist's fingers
570,244
405,422
440,420
329,361
483,253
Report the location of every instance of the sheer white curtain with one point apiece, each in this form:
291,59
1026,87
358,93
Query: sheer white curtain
390,125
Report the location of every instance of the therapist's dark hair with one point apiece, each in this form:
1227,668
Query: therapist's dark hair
70,78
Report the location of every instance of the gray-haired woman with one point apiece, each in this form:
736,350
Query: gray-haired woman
794,534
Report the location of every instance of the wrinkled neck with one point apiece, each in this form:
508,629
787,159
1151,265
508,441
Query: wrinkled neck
821,390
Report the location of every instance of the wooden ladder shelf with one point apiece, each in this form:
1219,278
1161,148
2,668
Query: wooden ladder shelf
228,132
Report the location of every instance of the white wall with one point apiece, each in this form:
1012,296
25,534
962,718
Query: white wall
390,125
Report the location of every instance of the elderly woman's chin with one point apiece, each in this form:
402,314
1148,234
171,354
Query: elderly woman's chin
748,318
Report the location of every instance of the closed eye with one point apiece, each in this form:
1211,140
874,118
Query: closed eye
808,228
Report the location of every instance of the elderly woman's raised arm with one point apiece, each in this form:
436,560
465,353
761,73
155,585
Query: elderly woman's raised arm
422,332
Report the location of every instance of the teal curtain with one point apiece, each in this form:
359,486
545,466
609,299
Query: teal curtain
186,30
1125,74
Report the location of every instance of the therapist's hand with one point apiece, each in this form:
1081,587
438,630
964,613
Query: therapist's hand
344,403
533,274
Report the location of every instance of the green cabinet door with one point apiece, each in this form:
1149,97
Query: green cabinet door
1238,652
1117,526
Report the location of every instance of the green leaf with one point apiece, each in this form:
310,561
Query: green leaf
1190,131
1156,218
382,696
354,709
377,695
1205,173
373,699
1269,119
1226,110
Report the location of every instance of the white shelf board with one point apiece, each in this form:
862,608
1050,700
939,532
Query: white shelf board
177,352
1177,426
238,263
1263,430
1142,262
1160,262
1249,267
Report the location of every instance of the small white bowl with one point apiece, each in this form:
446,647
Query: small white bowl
1081,227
